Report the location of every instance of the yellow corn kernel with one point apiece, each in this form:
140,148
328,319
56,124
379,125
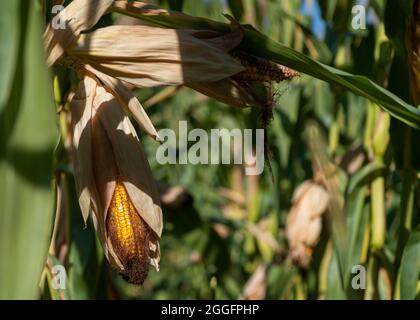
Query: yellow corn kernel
129,236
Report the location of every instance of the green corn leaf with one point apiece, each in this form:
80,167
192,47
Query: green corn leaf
410,267
9,33
365,176
28,135
237,8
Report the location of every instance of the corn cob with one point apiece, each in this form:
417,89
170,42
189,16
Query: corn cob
129,236
261,70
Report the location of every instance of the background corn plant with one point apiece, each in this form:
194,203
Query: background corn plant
222,228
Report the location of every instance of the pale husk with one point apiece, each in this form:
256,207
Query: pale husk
131,162
106,147
304,221
126,99
145,56
81,114
227,91
79,15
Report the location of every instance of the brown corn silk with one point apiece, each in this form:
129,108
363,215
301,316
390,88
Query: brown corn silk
261,70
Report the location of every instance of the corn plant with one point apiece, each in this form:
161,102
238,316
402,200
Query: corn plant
85,207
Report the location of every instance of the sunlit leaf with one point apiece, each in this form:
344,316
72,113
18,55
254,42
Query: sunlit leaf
9,33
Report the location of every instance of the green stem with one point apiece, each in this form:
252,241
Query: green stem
300,289
334,134
406,205
372,278
58,97
378,211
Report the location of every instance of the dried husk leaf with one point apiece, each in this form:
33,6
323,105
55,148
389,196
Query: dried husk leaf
105,173
132,165
127,99
79,15
224,42
104,165
106,148
146,56
227,91
133,170
304,221
81,114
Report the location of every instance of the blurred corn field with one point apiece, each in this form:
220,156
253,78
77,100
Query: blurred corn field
337,217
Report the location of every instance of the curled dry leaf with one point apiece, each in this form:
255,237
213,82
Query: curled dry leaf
78,16
126,99
114,179
146,56
81,15
304,222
